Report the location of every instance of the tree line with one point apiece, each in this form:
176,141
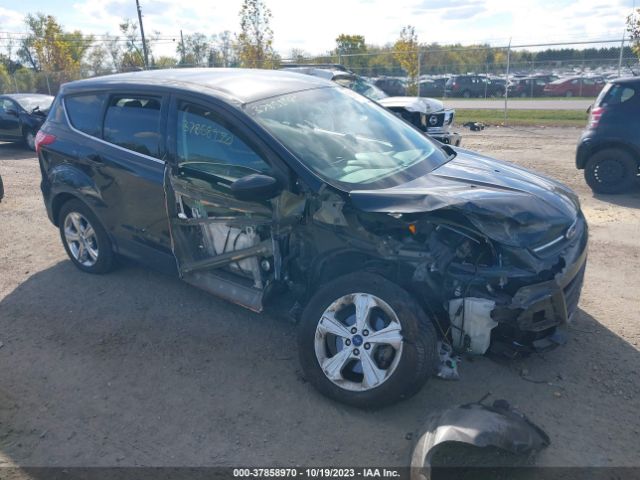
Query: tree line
48,54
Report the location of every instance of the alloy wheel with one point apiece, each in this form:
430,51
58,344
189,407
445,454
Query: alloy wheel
358,342
81,239
31,140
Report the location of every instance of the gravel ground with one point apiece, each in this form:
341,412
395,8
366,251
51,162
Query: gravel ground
136,368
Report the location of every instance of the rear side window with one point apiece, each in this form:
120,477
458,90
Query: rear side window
615,95
133,122
85,112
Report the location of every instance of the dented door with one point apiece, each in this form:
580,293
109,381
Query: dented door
221,243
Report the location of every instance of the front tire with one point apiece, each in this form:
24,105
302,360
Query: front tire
611,171
29,139
84,238
365,342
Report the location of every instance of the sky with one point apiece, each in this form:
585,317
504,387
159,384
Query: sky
312,26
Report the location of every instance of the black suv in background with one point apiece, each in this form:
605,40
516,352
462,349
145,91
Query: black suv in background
468,86
271,187
21,115
394,87
609,148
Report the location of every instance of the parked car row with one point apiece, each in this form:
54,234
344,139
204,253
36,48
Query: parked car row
484,86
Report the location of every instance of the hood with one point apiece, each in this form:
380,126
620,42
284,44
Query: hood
509,204
413,104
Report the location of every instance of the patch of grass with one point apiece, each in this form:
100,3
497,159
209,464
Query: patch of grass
549,118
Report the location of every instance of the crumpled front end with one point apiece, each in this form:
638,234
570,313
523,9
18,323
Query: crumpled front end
501,264
511,299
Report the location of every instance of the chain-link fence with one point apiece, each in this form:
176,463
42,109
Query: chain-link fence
439,71
485,71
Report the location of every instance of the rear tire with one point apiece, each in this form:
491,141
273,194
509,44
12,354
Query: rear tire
85,239
610,171
410,355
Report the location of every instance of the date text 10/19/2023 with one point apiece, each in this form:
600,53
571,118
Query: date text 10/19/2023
316,472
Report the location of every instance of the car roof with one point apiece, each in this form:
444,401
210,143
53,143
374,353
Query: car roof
238,85
18,96
625,80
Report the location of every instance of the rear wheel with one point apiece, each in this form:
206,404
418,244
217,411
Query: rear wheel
84,238
364,341
611,171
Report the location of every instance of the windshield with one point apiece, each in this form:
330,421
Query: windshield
361,86
29,103
347,139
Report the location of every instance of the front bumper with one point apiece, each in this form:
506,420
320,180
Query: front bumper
448,138
536,317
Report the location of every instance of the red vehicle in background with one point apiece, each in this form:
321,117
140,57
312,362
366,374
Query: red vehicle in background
575,87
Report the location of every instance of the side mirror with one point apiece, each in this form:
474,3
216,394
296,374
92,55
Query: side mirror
255,187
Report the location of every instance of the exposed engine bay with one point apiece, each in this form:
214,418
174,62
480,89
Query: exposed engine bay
481,293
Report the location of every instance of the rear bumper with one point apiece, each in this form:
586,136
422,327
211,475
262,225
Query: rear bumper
583,152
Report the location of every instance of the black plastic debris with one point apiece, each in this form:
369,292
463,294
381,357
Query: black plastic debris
474,126
479,425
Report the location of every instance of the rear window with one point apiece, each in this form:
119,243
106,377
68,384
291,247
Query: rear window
84,112
133,122
614,94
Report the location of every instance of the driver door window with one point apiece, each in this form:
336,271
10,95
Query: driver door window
208,146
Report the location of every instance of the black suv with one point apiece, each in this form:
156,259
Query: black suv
21,115
609,149
468,86
270,187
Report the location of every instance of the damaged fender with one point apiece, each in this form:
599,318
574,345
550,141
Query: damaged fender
479,425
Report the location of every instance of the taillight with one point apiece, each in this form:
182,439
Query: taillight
594,117
43,139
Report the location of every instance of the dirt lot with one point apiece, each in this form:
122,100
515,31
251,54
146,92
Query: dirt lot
135,368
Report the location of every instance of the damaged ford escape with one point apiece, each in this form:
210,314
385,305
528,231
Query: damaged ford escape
274,189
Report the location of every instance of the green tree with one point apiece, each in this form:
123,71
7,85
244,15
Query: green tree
165,62
633,27
131,56
47,47
6,85
227,49
194,51
97,60
406,48
255,41
350,50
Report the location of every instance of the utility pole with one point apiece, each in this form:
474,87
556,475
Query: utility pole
183,51
621,55
506,83
144,43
